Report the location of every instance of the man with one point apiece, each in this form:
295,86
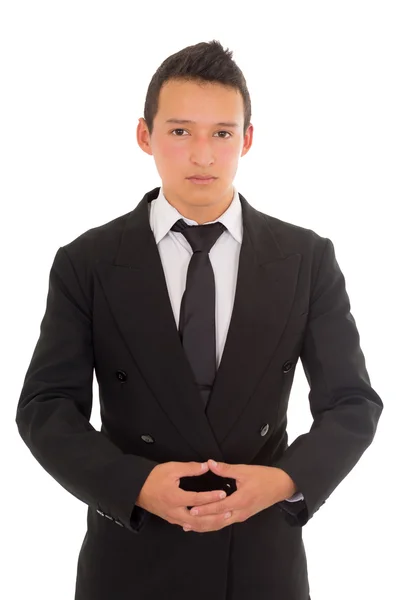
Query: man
194,309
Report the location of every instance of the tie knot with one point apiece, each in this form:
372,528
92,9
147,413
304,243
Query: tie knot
200,237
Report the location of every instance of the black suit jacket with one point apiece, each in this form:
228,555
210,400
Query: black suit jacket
108,312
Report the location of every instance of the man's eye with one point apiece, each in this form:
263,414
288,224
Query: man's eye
185,130
178,130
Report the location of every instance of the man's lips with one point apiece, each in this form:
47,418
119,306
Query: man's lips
202,180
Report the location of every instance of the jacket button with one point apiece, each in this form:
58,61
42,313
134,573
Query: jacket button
147,438
264,429
121,375
287,366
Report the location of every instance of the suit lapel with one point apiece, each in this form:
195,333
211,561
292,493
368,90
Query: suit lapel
136,290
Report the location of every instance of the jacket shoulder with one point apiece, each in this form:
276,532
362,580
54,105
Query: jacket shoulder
296,239
97,243
293,238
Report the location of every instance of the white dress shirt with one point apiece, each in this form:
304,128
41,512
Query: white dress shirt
175,253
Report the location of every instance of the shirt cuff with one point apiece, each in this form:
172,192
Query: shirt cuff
297,496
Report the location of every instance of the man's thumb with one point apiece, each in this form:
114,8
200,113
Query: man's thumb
198,468
186,469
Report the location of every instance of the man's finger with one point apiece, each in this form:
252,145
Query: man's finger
207,522
214,508
198,498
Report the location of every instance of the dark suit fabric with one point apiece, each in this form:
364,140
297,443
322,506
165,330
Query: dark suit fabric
108,311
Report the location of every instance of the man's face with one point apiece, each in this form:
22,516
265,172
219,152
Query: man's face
181,150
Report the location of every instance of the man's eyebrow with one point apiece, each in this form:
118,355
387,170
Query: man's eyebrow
184,121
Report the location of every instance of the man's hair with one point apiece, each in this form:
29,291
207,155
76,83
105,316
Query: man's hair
203,62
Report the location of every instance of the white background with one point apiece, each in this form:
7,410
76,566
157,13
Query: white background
322,79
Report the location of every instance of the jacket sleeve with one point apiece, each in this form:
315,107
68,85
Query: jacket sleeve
344,406
55,406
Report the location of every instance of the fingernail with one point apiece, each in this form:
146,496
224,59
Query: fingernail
215,464
222,495
227,515
194,511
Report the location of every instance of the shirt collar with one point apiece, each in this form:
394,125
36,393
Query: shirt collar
163,216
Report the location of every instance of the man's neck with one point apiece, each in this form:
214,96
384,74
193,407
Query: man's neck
201,214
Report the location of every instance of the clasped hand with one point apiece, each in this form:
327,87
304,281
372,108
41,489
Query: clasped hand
258,487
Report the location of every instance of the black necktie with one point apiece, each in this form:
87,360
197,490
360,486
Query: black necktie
197,314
